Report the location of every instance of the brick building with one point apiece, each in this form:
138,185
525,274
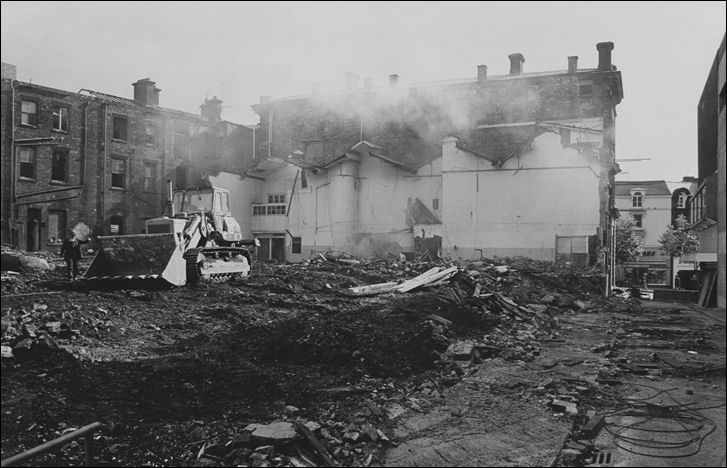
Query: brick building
375,169
98,163
707,205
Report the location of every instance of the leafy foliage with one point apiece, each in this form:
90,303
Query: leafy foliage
679,239
629,240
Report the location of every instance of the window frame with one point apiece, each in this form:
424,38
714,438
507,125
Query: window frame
122,225
638,220
119,118
149,181
57,113
637,200
112,173
682,200
62,215
23,113
296,245
33,151
66,154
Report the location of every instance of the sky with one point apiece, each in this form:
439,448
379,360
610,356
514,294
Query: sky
239,51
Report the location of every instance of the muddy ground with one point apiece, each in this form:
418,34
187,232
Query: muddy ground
460,374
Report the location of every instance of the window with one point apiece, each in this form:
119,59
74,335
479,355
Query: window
276,209
682,200
56,226
120,127
258,210
118,173
303,179
637,199
27,162
585,88
150,177
639,220
116,225
149,132
276,198
59,166
60,118
296,246
29,113
435,203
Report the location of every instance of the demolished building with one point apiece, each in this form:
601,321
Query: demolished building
520,164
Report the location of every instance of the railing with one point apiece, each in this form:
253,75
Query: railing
86,432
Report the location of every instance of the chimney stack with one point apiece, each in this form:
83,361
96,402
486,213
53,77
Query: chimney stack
573,64
315,89
481,73
604,55
211,110
393,79
145,93
516,63
368,82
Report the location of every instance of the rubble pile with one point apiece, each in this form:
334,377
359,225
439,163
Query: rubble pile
316,335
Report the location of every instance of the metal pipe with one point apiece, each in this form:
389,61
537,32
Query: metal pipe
13,159
86,432
171,198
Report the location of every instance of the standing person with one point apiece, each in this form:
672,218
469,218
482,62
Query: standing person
71,252
677,282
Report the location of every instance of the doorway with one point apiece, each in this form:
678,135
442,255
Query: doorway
33,230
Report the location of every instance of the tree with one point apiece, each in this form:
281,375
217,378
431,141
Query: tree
629,241
679,239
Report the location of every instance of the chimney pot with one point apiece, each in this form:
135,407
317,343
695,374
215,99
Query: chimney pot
393,79
481,73
516,63
572,64
604,55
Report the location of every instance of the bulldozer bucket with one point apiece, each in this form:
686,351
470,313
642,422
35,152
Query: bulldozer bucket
143,256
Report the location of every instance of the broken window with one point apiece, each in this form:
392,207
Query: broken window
56,226
27,162
118,173
637,199
29,113
150,177
303,179
60,118
120,127
59,166
296,245
116,226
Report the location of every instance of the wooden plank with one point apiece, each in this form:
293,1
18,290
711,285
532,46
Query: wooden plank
430,278
371,289
703,297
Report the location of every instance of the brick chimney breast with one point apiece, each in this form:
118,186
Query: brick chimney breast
516,63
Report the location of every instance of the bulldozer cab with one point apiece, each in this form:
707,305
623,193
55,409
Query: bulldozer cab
202,199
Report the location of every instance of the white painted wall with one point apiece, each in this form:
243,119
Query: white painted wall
243,192
656,211
517,209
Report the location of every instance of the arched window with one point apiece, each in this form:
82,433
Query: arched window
682,200
637,199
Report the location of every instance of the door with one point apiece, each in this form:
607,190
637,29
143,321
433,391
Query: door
33,230
277,249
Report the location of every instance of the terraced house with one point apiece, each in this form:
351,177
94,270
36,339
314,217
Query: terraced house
98,163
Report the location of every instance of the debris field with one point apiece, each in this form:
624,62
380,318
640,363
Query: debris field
325,363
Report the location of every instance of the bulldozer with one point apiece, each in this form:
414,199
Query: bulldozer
197,238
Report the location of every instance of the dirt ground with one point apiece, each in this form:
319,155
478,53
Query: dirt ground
461,374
